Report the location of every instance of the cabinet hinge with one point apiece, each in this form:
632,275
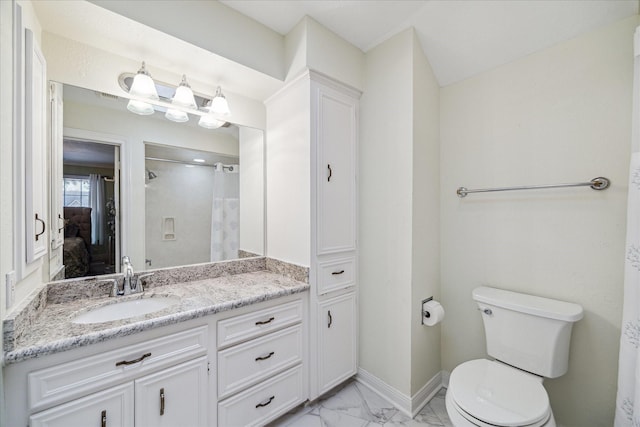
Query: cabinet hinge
208,367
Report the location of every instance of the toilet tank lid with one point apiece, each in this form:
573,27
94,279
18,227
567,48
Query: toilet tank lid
530,304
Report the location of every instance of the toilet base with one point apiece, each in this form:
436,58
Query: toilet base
459,421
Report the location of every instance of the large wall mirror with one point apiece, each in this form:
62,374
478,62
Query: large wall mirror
164,193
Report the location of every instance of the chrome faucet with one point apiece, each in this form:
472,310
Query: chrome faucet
129,284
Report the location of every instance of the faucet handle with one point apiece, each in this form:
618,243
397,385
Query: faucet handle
114,288
141,277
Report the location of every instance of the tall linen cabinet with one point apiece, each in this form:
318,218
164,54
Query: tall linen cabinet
311,150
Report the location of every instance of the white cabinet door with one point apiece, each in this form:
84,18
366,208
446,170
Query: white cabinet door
109,408
35,150
176,396
337,340
334,130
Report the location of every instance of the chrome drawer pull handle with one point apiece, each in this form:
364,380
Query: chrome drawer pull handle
103,419
131,362
330,173
264,322
162,401
330,319
61,219
265,357
338,272
260,405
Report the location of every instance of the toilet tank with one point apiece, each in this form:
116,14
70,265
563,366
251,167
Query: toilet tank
529,332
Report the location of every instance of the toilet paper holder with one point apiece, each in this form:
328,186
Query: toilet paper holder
425,314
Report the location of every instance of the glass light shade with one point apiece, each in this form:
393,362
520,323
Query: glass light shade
219,104
184,95
210,122
176,115
143,85
139,107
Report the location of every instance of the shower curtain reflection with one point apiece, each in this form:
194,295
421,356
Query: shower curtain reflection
225,213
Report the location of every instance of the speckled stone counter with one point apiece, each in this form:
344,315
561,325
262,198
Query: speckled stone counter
44,324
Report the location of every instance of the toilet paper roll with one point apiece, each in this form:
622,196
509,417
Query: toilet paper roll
432,313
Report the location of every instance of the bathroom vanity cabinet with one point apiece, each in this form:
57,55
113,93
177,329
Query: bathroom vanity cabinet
260,371
170,397
245,366
154,382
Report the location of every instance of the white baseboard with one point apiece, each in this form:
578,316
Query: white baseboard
408,405
425,394
445,378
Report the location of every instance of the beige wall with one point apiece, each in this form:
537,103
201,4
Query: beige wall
559,115
425,257
398,220
309,45
82,65
6,166
288,189
210,25
6,147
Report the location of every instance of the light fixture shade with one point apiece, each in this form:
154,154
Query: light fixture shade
143,85
176,115
184,95
219,104
139,107
210,122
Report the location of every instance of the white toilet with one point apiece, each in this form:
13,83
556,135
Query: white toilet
529,338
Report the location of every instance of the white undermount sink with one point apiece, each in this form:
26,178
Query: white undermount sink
126,309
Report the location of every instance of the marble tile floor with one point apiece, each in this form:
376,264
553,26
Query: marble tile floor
355,405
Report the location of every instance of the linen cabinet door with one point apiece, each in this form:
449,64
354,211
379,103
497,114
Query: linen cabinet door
176,396
338,340
109,408
35,150
334,129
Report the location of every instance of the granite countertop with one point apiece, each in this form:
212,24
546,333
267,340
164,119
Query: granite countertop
52,330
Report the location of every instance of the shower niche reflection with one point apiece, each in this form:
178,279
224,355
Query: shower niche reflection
192,207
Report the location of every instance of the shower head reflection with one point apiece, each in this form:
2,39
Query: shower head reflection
151,174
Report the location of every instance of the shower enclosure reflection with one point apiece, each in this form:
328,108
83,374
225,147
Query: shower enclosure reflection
192,207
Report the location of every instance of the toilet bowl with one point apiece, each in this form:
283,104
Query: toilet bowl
489,393
508,391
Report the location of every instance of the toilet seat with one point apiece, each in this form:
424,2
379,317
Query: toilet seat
489,393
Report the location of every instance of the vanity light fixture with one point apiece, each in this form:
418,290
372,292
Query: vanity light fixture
218,105
142,87
198,160
208,121
145,100
182,98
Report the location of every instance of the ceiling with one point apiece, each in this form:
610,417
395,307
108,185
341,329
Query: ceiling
460,38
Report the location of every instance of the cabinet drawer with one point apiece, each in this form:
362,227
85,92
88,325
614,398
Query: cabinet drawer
264,402
246,364
70,380
336,274
251,325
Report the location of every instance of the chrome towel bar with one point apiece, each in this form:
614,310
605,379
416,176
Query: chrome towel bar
599,183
